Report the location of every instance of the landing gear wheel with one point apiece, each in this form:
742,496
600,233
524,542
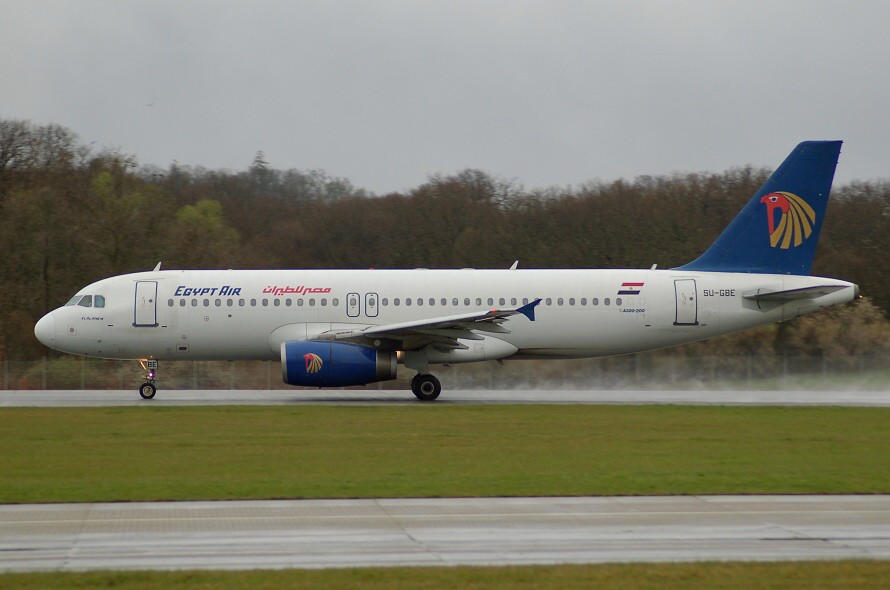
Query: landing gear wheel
426,387
147,390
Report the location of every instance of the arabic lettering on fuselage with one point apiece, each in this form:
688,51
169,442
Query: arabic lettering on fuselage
298,290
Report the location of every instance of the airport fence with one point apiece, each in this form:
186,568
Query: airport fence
657,370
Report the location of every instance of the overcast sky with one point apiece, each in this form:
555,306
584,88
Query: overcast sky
386,93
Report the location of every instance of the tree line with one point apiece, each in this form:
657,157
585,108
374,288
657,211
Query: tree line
71,216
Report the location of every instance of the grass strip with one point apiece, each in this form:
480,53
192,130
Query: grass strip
215,453
848,575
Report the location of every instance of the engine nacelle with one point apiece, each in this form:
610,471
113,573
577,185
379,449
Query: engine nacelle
315,363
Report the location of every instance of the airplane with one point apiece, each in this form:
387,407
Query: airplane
339,328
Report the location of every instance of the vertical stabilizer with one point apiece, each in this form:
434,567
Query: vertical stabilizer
777,231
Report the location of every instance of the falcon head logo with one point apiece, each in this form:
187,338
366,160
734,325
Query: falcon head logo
795,219
313,363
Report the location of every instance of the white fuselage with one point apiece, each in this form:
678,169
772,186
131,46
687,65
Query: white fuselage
247,314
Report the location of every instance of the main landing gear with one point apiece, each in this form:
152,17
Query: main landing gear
426,387
147,390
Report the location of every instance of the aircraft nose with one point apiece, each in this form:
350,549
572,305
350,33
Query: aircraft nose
45,330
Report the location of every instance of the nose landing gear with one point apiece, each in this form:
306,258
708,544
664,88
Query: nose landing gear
147,390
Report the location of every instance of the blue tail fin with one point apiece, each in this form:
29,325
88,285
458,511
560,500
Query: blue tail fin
777,231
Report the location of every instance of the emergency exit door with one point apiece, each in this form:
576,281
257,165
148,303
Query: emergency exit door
353,305
145,313
371,305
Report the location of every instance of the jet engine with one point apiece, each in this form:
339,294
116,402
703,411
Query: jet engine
315,363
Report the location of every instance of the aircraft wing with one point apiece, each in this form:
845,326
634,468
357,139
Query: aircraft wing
442,332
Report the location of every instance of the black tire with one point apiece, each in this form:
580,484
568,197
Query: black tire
147,390
426,388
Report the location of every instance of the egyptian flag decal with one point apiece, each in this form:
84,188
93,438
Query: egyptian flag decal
630,288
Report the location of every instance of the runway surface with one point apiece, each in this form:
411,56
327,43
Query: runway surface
481,531
477,531
61,398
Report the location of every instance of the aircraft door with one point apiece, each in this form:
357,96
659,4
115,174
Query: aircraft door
145,311
352,305
687,302
371,305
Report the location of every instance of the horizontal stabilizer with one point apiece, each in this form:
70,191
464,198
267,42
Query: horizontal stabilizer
792,294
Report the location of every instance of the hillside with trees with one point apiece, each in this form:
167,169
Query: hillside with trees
71,216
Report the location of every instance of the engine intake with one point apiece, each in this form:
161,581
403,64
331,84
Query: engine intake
314,363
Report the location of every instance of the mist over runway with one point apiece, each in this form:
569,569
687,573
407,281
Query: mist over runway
205,397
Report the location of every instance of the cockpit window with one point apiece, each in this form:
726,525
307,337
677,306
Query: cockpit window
87,301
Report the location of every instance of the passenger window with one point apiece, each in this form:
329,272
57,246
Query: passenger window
299,303
606,301
169,303
559,301
454,302
206,303
618,301
335,302
432,301
525,300
513,301
408,301
548,301
385,302
182,303
99,301
420,301
276,302
265,303
312,302
324,302
218,302
194,303
490,301
288,302
467,301
253,302
241,303
571,301
396,301
502,301
584,301
478,301
87,301
230,302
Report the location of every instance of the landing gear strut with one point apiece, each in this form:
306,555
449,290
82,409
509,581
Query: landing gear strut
426,387
147,390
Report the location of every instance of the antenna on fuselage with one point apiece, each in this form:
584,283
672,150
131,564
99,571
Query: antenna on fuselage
515,264
157,268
